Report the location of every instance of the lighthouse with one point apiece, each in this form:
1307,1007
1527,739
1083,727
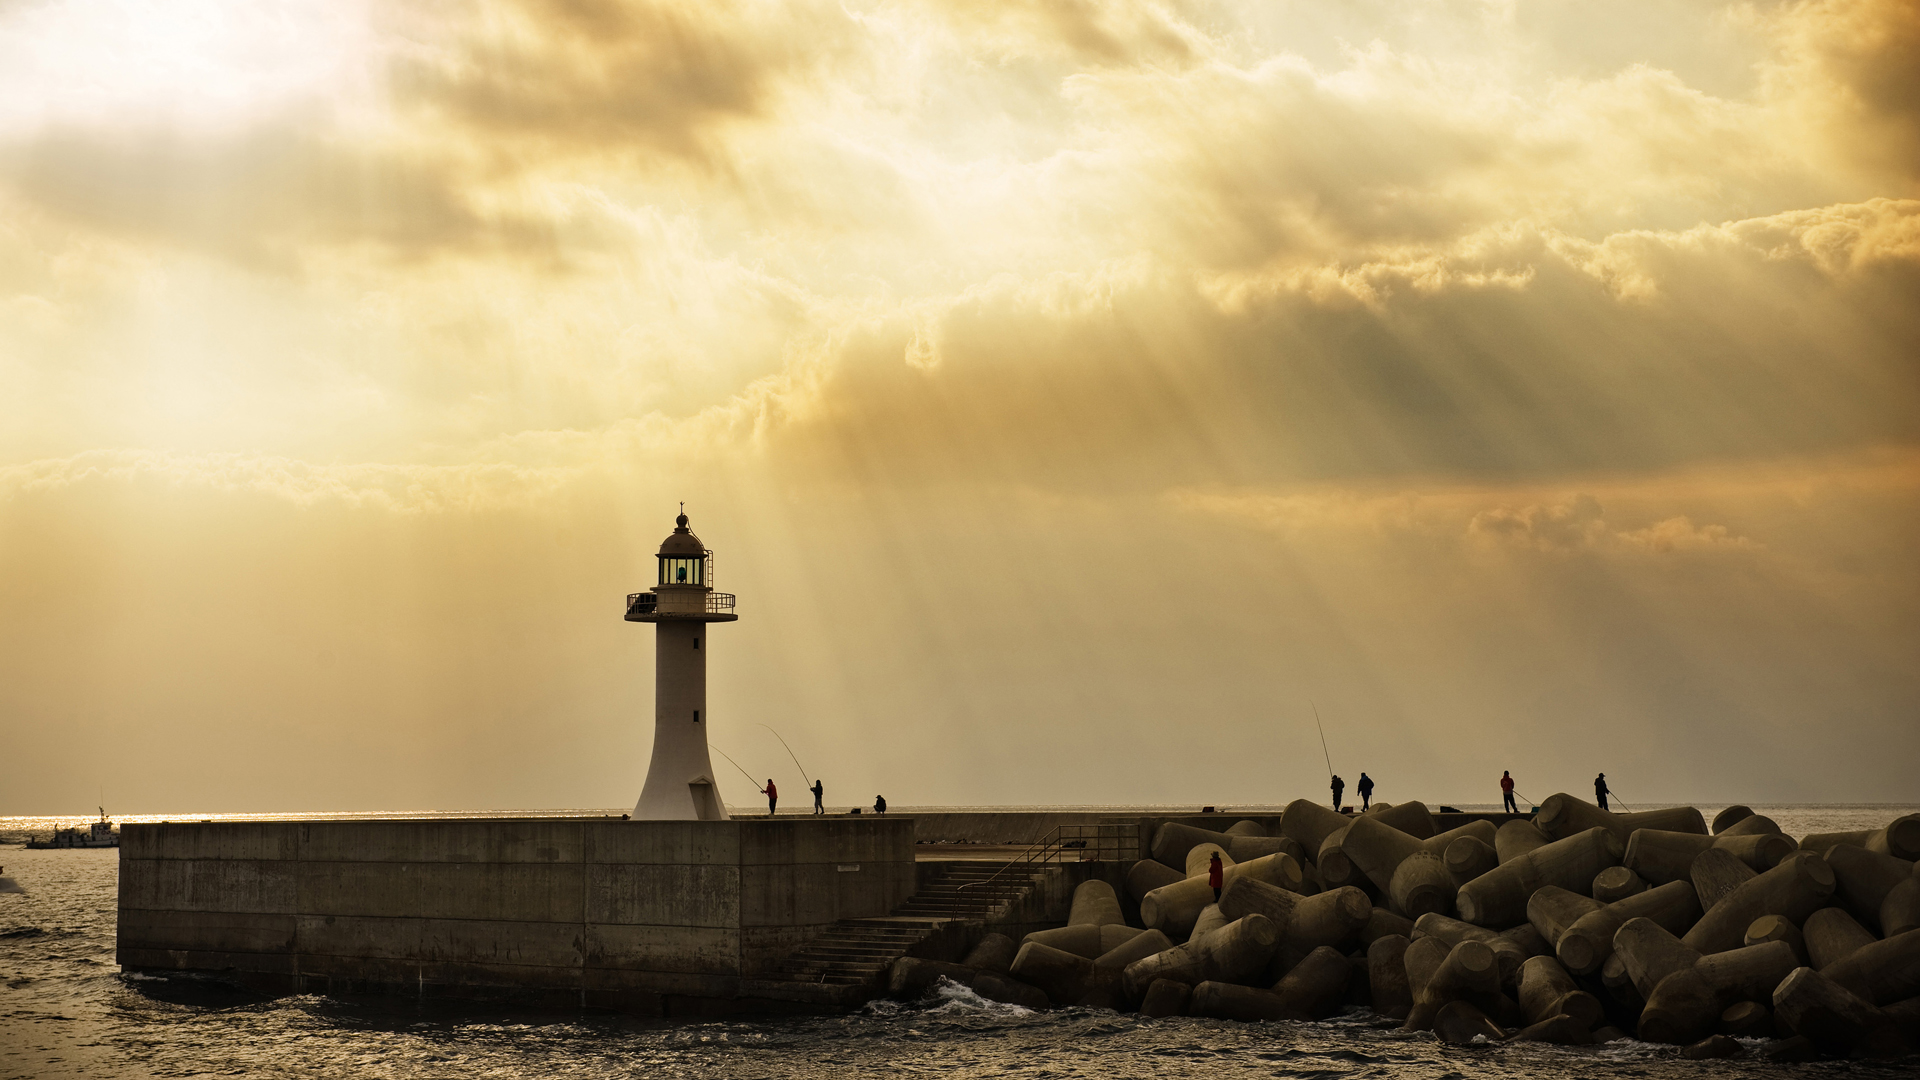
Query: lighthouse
681,606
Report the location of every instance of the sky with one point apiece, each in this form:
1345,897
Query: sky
1078,396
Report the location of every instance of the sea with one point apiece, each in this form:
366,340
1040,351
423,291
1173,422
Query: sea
67,1010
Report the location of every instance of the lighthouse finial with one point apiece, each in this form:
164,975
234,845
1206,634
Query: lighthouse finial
681,521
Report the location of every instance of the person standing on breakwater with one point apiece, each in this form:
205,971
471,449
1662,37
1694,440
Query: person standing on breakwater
1506,792
819,793
1216,875
879,804
1365,788
1339,788
773,795
1600,790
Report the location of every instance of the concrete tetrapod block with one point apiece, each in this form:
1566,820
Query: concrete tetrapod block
1411,818
1467,857
1460,1023
1337,870
1687,1004
1165,998
1560,1029
1009,991
1562,816
1883,972
1229,1001
1729,817
1515,838
1064,976
1211,919
1422,884
1328,918
1528,940
1200,859
1900,839
1173,908
1422,959
1148,875
1547,991
1310,823
1173,839
1618,982
1387,976
1906,1018
1900,911
1617,883
1747,1019
994,953
1138,947
911,977
1758,823
1551,910
1499,899
1661,856
1796,889
1377,848
1244,827
1862,879
1809,1003
1237,952
1777,928
1715,873
1383,923
1587,943
1712,1047
1450,931
1095,903
1317,984
1248,848
1651,953
1832,935
1081,940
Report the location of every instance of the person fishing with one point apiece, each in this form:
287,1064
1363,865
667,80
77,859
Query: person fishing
819,794
1216,875
879,804
773,796
1506,792
1600,790
1365,788
1339,789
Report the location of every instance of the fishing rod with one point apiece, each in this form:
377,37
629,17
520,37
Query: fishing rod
1323,735
794,756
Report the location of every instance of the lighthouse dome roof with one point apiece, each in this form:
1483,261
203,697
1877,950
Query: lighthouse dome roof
682,542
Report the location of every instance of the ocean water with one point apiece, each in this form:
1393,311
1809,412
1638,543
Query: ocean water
66,1009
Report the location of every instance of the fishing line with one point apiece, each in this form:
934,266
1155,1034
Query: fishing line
794,756
1323,736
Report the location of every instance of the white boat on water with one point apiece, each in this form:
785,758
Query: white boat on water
99,834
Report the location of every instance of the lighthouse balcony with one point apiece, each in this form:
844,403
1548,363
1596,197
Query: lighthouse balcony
694,604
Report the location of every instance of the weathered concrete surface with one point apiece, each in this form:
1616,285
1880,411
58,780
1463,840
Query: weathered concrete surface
642,916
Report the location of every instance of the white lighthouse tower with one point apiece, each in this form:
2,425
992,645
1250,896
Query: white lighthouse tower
680,778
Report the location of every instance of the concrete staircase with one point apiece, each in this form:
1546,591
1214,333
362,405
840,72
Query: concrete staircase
858,952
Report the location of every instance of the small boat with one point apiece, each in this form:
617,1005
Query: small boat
97,835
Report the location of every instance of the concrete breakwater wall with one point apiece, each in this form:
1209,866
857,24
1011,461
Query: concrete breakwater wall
1022,827
652,917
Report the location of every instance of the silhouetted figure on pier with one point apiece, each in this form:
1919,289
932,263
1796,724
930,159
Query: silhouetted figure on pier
773,796
1506,792
819,795
879,804
1216,876
1365,788
1339,789
1601,791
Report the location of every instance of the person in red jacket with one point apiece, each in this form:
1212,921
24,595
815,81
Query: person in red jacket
1216,876
773,796
1506,791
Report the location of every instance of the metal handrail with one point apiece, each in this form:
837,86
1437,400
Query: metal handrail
642,603
1025,857
1052,845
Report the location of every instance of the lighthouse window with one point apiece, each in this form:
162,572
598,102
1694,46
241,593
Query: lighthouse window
696,643
696,716
676,571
